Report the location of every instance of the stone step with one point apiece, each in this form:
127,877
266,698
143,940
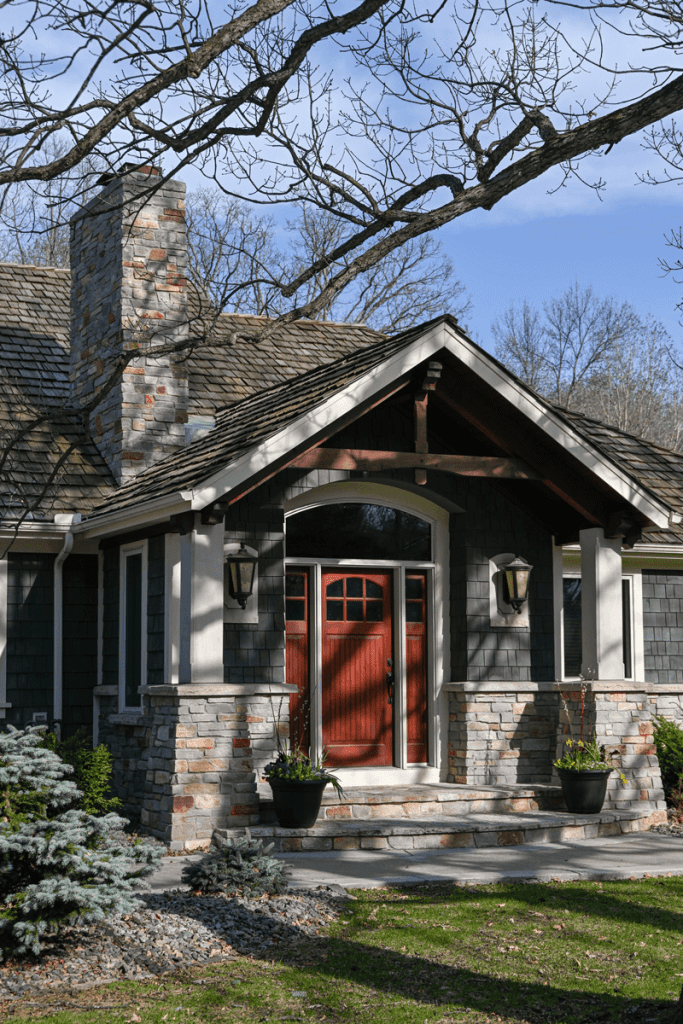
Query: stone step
421,800
443,831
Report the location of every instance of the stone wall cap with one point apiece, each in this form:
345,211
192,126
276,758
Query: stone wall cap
217,689
127,718
620,686
105,691
595,685
501,686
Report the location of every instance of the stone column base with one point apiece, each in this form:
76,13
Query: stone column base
208,743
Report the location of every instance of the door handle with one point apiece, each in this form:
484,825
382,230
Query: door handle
390,686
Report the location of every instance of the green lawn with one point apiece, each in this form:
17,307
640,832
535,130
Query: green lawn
562,953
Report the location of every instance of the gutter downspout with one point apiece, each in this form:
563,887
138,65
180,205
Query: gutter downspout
70,520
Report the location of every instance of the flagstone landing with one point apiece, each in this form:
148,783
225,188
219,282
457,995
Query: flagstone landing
425,817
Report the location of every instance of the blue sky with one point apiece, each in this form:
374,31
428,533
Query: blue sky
536,242
614,249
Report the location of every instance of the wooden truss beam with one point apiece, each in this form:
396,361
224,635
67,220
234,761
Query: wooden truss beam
486,466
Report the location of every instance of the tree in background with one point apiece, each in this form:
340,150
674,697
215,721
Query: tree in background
441,108
233,260
235,265
599,357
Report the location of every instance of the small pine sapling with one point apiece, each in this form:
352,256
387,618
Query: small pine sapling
57,866
92,770
242,865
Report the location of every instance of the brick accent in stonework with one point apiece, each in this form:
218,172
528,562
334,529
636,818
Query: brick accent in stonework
621,720
129,291
512,736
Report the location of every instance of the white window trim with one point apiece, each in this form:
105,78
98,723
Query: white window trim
438,644
124,552
563,571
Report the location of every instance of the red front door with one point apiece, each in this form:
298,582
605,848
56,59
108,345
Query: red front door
357,718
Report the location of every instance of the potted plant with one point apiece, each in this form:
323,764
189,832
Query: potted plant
585,767
584,771
298,784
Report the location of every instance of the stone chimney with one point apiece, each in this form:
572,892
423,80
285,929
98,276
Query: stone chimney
129,290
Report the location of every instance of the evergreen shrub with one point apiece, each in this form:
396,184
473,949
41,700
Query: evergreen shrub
57,866
242,865
668,737
92,770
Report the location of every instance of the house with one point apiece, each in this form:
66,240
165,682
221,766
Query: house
382,484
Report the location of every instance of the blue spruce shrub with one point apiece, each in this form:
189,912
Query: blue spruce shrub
242,865
56,866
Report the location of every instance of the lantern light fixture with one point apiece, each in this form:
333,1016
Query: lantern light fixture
241,575
516,582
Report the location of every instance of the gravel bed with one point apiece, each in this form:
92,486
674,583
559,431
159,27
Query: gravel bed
172,930
671,828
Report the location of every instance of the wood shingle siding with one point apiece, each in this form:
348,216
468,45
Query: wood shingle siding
30,621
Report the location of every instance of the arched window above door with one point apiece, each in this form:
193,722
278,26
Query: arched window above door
358,530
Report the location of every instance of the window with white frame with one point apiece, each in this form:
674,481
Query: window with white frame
132,625
571,615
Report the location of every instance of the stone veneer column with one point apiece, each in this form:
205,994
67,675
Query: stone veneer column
129,290
205,744
501,733
620,715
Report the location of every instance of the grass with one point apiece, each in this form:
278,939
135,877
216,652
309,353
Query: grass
555,953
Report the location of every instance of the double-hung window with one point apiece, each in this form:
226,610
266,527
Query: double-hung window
571,614
132,625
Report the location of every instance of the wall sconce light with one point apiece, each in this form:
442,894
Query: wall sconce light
241,573
516,582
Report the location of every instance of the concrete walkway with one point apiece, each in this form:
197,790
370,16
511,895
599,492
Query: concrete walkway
614,857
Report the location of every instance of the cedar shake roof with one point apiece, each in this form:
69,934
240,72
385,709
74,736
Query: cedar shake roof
226,371
245,424
34,367
657,468
253,383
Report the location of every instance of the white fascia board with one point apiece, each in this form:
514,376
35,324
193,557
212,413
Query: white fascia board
561,433
145,514
306,426
42,531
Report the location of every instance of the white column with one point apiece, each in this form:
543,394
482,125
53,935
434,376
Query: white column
185,610
601,615
558,615
206,640
3,637
173,610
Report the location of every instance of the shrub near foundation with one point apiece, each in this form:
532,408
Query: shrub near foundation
57,866
668,737
243,865
92,770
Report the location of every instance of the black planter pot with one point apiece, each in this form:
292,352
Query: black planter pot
297,802
584,790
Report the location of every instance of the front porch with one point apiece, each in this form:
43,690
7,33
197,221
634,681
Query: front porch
432,817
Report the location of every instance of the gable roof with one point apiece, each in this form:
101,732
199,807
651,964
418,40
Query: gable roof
259,435
311,371
34,375
242,427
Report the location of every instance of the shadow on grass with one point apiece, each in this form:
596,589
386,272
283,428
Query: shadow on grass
455,989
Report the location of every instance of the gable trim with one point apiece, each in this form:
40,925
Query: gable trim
538,413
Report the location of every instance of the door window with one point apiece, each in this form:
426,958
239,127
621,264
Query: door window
354,599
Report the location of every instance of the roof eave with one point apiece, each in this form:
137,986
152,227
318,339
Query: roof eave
560,431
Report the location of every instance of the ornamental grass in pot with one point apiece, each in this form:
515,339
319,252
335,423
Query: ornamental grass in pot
298,784
586,766
584,771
